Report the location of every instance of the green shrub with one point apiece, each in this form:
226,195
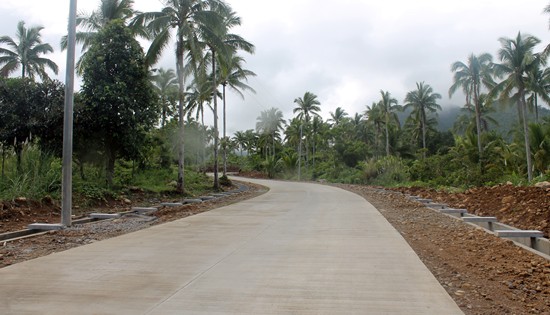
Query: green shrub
385,171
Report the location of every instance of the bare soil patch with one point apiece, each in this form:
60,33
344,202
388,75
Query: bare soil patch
526,208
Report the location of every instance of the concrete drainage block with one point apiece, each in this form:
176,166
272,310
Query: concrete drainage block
171,204
104,216
142,210
454,212
45,226
206,198
187,201
436,206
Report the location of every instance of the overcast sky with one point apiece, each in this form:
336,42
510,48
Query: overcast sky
344,51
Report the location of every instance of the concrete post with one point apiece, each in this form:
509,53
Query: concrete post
67,185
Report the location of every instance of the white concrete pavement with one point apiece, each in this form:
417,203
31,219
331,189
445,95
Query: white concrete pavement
298,249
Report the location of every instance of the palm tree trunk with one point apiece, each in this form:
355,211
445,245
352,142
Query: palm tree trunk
204,140
536,108
216,178
423,122
181,86
387,137
526,135
313,155
478,127
273,144
163,118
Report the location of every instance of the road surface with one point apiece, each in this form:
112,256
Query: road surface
298,249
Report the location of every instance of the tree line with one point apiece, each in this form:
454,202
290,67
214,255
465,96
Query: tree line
377,144
130,110
126,105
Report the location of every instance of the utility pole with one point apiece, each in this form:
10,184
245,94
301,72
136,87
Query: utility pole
67,184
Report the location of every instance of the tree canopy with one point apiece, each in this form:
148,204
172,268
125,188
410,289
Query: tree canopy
119,102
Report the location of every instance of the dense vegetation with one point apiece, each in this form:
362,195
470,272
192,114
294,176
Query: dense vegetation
136,124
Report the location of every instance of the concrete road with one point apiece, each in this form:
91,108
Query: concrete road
298,249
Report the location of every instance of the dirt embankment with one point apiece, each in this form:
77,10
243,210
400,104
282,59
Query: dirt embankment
526,208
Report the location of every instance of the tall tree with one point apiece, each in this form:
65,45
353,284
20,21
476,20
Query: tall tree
470,76
517,59
222,45
240,139
467,122
26,52
389,107
90,24
338,116
538,85
269,123
29,109
232,75
375,120
186,18
117,93
166,85
423,100
307,106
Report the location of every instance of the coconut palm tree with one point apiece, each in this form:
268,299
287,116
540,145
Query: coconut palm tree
375,120
423,100
223,47
538,85
292,133
187,19
166,84
517,59
232,75
26,52
269,123
240,140
338,116
389,107
415,128
468,121
470,76
90,24
308,106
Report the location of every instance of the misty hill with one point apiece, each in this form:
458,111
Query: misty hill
506,116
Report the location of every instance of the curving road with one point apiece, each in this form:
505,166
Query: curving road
298,249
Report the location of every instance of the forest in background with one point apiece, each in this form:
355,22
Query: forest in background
138,125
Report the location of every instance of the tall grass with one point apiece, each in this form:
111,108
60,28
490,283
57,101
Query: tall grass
40,175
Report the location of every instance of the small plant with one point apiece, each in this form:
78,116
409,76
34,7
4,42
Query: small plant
225,181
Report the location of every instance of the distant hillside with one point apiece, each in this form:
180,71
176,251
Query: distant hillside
506,116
